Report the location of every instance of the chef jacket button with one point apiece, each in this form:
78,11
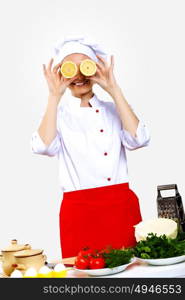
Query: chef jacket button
97,110
109,179
105,153
101,130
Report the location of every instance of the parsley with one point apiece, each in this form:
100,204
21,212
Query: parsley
116,257
159,247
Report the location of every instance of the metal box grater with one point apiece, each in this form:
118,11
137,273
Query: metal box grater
171,207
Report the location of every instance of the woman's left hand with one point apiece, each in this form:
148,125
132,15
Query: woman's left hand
104,75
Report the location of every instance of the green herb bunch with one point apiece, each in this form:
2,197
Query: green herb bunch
116,257
159,247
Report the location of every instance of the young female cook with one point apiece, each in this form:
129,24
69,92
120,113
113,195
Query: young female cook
89,137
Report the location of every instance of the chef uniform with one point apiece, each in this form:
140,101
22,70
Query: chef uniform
98,208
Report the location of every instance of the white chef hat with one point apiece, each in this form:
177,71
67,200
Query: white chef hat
77,44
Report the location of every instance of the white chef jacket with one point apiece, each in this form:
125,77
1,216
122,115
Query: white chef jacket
90,145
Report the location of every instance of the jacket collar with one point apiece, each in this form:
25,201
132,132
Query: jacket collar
94,101
75,103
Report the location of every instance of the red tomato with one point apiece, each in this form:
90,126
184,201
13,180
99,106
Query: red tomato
96,263
106,250
85,252
81,262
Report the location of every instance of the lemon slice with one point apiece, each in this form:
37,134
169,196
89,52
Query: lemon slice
68,69
88,67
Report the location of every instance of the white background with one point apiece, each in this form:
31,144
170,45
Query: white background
147,39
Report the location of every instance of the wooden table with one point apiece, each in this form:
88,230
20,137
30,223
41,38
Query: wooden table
138,270
135,270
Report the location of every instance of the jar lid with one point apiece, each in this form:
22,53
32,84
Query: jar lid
14,246
29,252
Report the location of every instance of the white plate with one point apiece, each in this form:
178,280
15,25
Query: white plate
163,261
106,271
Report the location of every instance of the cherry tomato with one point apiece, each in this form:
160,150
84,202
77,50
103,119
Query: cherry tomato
96,263
106,250
86,252
81,262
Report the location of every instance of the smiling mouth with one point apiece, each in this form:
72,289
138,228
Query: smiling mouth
80,83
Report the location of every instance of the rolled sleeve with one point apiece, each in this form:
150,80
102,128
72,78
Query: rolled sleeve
141,139
38,146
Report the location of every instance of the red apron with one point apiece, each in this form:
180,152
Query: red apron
98,217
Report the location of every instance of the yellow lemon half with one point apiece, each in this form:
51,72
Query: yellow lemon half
69,69
30,276
88,67
60,274
45,275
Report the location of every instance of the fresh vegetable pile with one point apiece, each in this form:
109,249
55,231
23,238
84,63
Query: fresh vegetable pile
108,258
153,247
159,247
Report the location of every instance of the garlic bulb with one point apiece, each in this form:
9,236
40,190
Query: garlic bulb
44,270
59,267
16,274
31,272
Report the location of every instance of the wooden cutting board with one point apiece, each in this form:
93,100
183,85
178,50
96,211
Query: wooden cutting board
68,261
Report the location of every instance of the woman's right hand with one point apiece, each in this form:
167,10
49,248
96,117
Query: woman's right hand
57,84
